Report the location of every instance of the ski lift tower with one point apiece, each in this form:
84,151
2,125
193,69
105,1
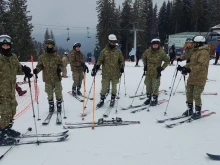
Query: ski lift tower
135,30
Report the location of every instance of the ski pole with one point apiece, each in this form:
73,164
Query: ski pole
173,76
177,85
184,78
93,105
36,89
29,82
89,94
125,86
84,94
143,90
137,89
64,112
171,92
116,111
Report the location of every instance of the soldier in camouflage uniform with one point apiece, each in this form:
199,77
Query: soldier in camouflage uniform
198,71
152,59
51,66
112,62
78,66
65,63
188,51
9,68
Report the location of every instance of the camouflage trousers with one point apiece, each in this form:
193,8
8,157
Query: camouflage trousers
77,78
152,85
194,93
7,112
106,83
50,88
64,72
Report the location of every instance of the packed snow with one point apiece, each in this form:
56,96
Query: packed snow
148,143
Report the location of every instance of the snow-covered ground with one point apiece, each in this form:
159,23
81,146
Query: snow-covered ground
148,143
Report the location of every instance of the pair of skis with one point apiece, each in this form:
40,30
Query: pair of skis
188,120
100,123
78,97
49,116
161,91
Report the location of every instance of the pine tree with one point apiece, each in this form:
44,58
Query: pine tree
186,24
19,28
126,25
2,15
162,22
46,35
52,36
177,15
154,27
108,21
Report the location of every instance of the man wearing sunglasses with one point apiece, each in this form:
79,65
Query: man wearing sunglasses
153,59
112,62
9,68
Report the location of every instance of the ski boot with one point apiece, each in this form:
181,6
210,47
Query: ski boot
189,112
59,106
51,106
112,102
147,102
197,114
74,91
10,132
78,91
154,101
4,140
101,103
19,90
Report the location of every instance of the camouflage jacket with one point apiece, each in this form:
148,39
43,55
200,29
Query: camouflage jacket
76,60
65,61
199,64
111,60
48,63
9,68
153,60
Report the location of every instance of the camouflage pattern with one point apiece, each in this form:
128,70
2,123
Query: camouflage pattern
112,61
153,60
9,68
48,63
194,93
56,88
77,78
65,63
152,85
106,84
76,60
199,63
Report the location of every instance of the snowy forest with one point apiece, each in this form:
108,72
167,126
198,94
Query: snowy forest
151,21
142,15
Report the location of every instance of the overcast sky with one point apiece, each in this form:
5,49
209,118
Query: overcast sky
74,14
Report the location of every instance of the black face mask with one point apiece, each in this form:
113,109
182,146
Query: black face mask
6,52
154,49
111,46
50,50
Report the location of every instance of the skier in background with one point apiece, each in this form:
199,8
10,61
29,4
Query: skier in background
217,52
65,63
172,54
138,55
188,48
96,53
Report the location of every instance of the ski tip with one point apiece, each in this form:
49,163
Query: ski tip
169,126
64,137
64,127
44,123
65,132
105,116
160,121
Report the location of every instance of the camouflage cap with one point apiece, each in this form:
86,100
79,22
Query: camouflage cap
50,42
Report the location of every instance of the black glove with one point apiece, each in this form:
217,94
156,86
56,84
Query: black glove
97,67
179,68
122,70
35,71
27,71
86,69
58,70
188,61
159,70
93,73
185,70
179,60
145,68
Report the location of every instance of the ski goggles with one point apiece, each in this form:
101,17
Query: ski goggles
113,41
5,39
155,42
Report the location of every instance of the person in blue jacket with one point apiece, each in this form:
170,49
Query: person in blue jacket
217,51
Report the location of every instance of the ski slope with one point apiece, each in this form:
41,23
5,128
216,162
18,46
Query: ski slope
148,143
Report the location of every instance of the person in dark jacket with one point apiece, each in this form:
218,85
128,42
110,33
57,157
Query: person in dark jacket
172,54
217,52
138,55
